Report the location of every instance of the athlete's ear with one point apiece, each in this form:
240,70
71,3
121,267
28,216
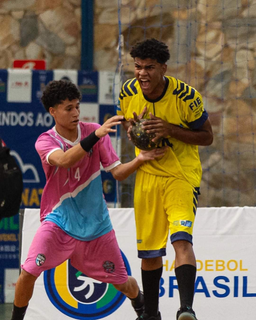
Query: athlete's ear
164,68
52,111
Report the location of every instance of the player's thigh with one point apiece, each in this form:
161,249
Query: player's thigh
101,259
50,247
181,204
150,216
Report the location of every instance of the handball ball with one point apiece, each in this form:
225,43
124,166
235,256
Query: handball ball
140,138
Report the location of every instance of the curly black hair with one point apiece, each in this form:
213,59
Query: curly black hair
151,48
57,91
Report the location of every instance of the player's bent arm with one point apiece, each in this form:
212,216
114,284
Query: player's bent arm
201,137
68,158
123,170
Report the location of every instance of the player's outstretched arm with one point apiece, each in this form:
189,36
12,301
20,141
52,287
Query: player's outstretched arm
107,126
122,171
68,158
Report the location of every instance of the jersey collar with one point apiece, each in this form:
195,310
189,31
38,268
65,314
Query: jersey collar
163,93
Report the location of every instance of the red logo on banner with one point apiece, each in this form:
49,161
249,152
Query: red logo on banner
30,64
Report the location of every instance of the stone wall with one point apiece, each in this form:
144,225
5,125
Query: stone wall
41,29
213,48
51,30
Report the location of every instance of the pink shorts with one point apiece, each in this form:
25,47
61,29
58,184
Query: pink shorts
100,259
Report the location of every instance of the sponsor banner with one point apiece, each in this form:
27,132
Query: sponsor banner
3,85
109,186
116,143
30,64
88,86
89,112
19,85
107,91
11,277
225,287
40,79
9,257
69,75
106,112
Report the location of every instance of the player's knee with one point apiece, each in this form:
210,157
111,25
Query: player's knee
182,246
27,277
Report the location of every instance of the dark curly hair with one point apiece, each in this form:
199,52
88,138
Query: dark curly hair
57,91
151,48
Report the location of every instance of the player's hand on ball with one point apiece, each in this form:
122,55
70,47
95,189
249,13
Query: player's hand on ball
141,138
157,127
152,154
136,119
107,126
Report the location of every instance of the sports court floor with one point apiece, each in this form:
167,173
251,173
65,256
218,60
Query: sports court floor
5,311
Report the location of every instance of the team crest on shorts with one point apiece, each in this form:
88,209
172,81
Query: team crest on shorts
40,259
109,266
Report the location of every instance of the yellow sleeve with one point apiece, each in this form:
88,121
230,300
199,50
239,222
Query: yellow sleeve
192,106
125,96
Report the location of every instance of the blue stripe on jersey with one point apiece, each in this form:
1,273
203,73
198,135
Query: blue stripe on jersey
191,96
126,89
60,143
176,91
91,220
185,92
132,86
195,199
199,122
122,94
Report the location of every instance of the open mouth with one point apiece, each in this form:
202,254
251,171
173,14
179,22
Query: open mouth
145,84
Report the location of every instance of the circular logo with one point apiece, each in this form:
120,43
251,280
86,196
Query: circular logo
81,297
108,186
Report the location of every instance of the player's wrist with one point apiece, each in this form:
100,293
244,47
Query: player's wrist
140,157
88,142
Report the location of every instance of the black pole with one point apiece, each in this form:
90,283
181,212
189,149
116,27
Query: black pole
87,35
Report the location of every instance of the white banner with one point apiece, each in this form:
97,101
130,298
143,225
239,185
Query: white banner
19,86
63,74
224,243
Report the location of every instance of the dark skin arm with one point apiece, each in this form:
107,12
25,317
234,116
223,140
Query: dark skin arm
201,137
162,129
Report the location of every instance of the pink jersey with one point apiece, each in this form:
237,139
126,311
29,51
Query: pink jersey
73,198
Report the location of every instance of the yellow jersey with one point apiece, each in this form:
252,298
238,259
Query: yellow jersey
179,104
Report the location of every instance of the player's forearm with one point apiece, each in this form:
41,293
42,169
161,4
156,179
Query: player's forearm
69,158
124,170
195,137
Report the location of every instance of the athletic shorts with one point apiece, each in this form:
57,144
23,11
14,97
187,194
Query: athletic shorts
163,206
100,259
